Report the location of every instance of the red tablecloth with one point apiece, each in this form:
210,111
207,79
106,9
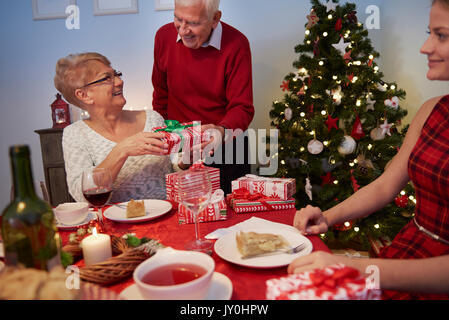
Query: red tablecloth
248,283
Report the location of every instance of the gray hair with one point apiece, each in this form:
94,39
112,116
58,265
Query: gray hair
212,6
443,2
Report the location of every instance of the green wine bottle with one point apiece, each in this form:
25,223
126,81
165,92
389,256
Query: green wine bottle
29,230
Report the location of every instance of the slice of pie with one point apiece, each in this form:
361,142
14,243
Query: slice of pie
135,209
252,243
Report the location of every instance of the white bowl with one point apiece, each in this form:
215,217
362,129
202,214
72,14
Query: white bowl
71,213
193,290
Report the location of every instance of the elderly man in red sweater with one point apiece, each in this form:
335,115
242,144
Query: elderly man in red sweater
202,72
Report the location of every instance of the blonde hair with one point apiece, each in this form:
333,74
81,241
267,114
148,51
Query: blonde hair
74,71
212,6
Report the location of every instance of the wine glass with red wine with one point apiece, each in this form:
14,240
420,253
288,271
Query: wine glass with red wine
195,190
97,187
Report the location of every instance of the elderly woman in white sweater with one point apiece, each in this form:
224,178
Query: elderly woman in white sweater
112,138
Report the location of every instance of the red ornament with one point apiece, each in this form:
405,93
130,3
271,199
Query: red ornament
284,85
338,25
401,201
352,17
355,185
347,56
357,130
60,113
327,179
331,123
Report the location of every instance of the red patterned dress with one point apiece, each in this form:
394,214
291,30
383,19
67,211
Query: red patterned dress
428,169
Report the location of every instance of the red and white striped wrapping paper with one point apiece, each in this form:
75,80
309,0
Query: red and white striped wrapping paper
213,212
245,206
337,282
171,185
190,136
281,188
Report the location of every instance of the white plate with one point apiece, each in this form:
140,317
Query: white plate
226,248
62,226
153,209
220,289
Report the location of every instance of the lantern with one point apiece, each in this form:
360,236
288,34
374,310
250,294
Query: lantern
60,112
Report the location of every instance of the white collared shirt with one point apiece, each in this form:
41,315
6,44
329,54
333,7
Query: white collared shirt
215,38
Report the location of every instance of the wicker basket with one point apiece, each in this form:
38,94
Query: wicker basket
117,268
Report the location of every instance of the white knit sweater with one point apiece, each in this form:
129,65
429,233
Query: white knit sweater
141,177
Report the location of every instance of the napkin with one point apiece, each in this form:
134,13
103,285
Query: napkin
251,223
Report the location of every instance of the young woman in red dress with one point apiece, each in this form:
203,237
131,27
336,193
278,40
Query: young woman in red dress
416,264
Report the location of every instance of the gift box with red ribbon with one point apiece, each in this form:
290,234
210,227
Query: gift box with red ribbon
337,282
178,135
242,201
215,211
172,178
279,188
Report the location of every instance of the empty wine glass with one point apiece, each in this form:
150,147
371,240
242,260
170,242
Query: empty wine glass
195,190
97,187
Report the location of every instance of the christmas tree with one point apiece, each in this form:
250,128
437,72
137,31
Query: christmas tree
339,124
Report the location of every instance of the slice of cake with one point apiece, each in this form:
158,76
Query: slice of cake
135,209
252,243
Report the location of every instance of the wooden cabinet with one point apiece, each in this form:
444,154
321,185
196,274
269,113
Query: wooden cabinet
53,161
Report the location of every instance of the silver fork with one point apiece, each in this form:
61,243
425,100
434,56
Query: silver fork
288,251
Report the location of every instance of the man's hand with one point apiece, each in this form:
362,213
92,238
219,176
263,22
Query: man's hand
214,136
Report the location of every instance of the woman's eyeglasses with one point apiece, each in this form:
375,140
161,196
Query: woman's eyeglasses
107,79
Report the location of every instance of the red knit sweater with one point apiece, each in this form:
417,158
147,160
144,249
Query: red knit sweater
205,84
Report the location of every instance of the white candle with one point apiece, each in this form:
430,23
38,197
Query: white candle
96,248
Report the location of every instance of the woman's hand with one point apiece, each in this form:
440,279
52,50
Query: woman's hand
317,259
144,143
310,220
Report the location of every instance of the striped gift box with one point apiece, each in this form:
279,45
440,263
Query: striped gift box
172,178
176,140
244,206
213,212
282,188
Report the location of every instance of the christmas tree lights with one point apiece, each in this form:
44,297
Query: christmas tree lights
339,123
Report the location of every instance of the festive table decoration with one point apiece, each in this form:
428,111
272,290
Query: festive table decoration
243,201
178,135
117,268
96,248
280,188
128,252
172,178
216,210
337,282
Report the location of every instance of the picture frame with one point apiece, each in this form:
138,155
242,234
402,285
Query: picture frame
50,9
107,7
160,5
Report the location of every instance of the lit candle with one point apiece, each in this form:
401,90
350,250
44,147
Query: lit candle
96,248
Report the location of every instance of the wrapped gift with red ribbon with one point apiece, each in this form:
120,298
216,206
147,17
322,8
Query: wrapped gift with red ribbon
242,201
280,188
336,282
171,180
178,135
215,211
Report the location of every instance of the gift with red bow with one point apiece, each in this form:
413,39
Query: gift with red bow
242,201
278,188
215,211
179,135
336,282
171,179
